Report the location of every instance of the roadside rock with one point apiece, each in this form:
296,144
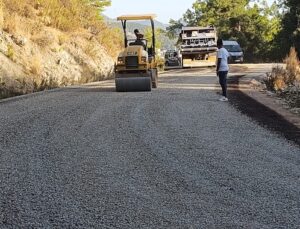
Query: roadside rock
19,40
292,89
296,110
256,84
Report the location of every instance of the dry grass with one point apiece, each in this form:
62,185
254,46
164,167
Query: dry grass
1,14
292,67
112,40
37,79
91,51
43,39
65,15
275,80
35,28
69,15
281,78
35,66
63,38
17,6
10,24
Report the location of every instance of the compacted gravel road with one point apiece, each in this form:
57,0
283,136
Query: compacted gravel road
88,157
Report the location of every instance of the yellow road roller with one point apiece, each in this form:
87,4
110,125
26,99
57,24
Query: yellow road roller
136,67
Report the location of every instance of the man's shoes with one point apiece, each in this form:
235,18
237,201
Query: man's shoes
223,99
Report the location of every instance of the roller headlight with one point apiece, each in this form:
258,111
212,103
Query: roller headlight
144,59
120,60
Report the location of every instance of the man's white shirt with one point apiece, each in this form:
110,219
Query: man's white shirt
223,54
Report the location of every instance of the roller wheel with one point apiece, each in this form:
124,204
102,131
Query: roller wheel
133,84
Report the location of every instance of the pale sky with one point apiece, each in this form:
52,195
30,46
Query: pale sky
164,9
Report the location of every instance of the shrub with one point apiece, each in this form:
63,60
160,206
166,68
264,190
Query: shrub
160,63
275,80
292,67
10,52
280,78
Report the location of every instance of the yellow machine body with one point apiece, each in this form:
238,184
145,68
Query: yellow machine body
136,67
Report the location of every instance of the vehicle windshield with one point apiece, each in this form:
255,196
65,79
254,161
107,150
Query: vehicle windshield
233,48
171,55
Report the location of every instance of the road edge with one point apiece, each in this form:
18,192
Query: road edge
245,85
262,109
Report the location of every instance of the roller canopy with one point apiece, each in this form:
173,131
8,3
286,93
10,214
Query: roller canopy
137,17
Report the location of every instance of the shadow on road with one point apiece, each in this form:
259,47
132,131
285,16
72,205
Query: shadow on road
262,114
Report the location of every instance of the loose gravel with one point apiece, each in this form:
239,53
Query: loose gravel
88,157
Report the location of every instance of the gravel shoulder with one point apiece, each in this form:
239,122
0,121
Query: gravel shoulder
250,85
268,110
88,157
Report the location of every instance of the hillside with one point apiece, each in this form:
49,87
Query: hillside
41,50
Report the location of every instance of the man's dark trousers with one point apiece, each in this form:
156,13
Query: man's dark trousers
223,82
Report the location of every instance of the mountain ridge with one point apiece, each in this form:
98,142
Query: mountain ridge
142,25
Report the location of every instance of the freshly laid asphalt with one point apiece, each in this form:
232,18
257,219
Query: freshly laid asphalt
176,157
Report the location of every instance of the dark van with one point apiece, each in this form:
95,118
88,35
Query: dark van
235,51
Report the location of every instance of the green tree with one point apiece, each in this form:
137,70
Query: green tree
174,28
253,25
290,33
158,35
99,4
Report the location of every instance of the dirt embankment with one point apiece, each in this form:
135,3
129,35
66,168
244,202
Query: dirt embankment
35,56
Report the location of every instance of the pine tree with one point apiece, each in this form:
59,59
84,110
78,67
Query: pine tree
290,33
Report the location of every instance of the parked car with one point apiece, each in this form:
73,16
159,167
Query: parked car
172,58
235,51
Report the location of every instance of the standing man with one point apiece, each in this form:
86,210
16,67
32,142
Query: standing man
222,68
